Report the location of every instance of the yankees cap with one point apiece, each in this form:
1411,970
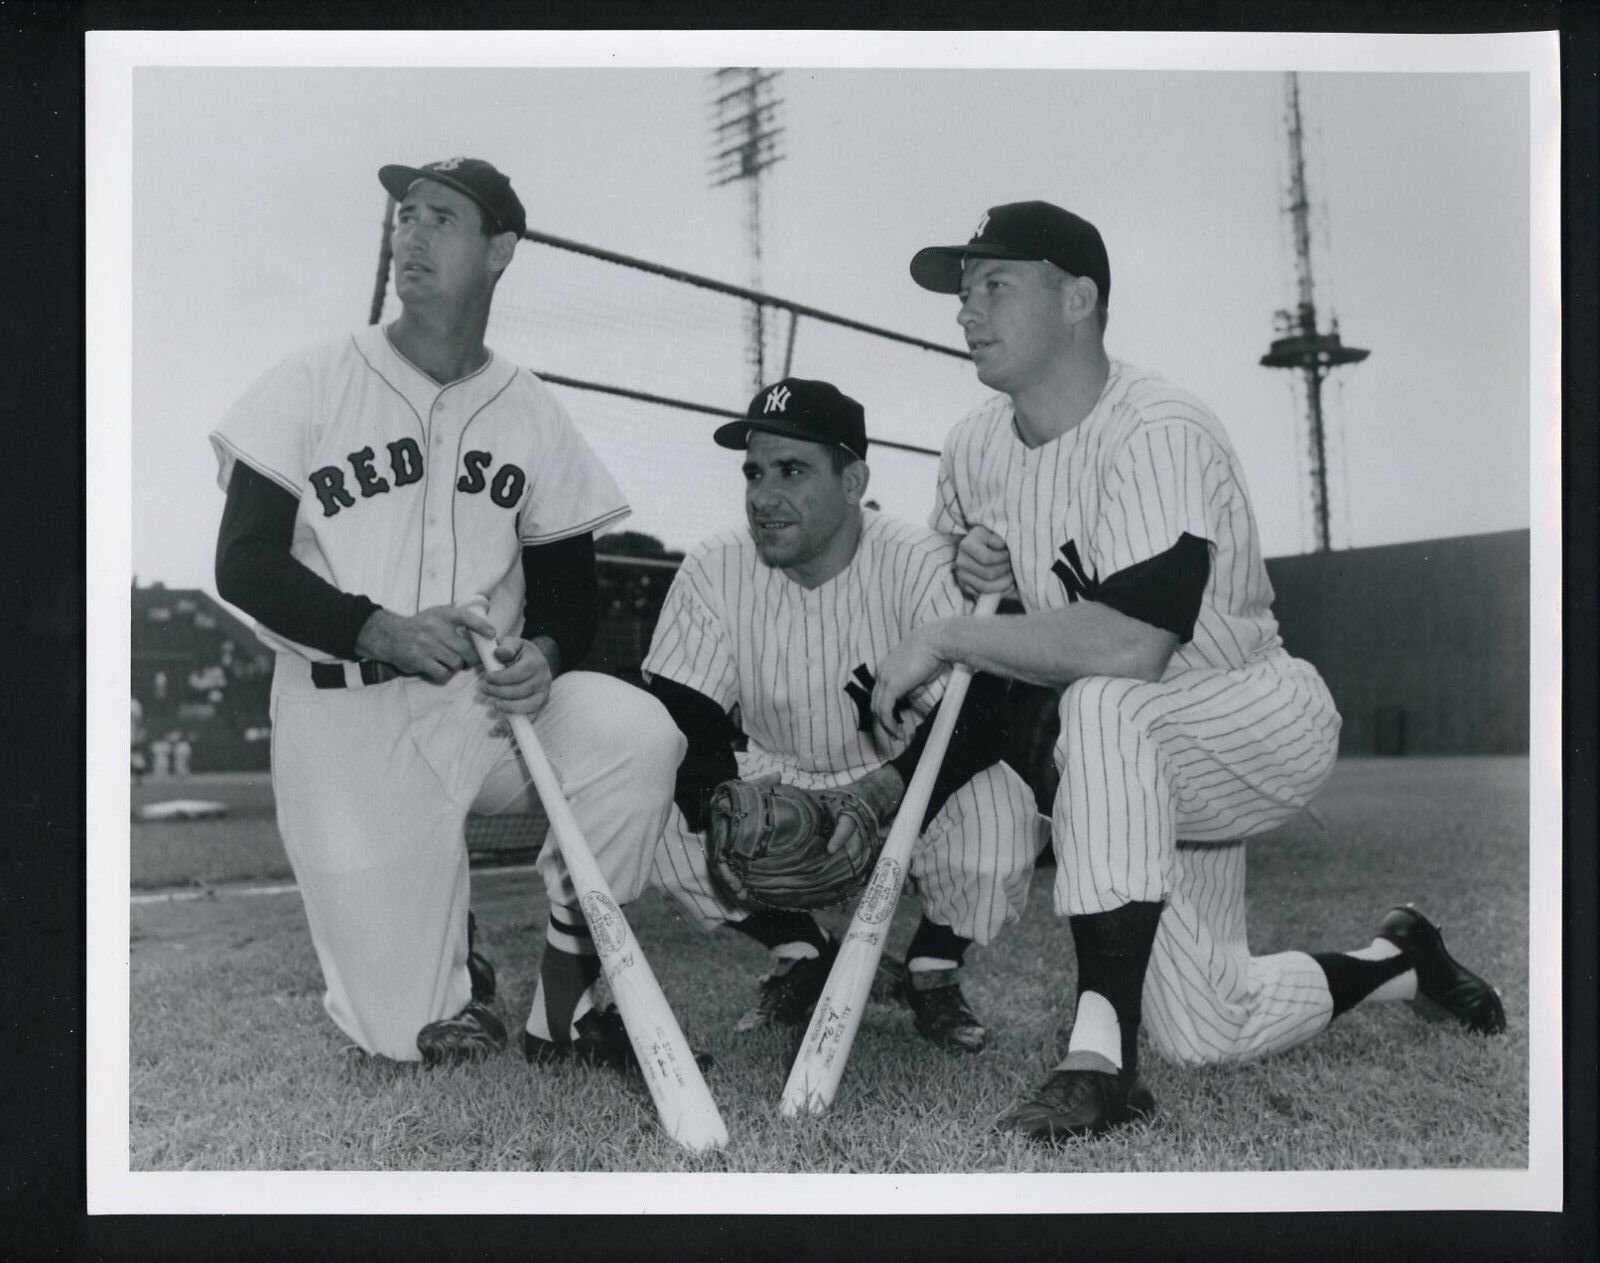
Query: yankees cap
817,412
478,179
1037,231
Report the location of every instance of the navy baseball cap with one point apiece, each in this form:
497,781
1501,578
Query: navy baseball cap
1037,231
817,412
474,177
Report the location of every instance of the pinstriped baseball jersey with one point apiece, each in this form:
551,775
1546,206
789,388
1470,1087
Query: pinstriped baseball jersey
796,661
1149,463
410,492
1234,739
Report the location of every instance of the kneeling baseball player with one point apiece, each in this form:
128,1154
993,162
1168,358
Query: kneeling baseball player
781,625
374,486
1114,504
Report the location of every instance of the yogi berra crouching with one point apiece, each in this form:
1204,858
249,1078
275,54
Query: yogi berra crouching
374,485
783,624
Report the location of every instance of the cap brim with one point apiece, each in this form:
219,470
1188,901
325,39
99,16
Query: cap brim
736,434
939,267
397,182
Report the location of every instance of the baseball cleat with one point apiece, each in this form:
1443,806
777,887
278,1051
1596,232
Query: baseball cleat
790,991
1445,988
479,967
471,1035
1073,1104
941,1011
602,1040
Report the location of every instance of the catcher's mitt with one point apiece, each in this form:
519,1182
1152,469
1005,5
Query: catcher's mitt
767,845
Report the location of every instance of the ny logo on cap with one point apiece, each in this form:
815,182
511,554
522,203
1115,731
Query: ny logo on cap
982,224
449,164
777,399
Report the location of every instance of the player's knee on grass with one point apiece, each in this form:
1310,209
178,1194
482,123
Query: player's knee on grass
1173,1041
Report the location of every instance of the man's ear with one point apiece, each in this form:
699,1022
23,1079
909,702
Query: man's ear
856,476
501,247
1082,296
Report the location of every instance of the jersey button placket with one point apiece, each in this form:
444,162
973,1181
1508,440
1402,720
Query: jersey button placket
436,535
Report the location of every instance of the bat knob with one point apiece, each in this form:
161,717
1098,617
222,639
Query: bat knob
478,604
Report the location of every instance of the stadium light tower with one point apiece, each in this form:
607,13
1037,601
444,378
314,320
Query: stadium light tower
1299,344
745,107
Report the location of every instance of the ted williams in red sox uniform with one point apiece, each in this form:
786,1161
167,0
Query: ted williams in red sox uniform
1115,506
782,624
373,486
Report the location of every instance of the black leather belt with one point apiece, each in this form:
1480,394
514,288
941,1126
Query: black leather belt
330,675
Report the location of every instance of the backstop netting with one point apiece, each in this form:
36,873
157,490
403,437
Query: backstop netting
649,360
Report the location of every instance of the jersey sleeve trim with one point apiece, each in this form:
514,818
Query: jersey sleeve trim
1164,591
229,452
579,528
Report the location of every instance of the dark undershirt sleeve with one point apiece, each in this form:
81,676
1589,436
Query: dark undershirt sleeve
1165,590
979,741
563,600
711,734
256,572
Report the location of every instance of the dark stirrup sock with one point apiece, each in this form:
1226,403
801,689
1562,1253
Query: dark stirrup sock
936,942
1113,952
773,929
1351,979
567,970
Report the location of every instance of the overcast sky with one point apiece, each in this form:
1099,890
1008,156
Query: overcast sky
256,217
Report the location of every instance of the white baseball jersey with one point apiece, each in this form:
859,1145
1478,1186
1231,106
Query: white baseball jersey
1234,739
1149,463
797,665
416,495
412,493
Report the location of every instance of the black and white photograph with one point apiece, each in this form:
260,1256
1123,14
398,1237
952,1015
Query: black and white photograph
712,609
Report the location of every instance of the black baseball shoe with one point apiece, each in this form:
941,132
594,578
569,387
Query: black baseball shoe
1073,1104
471,1035
941,1011
790,991
1445,988
479,968
602,1041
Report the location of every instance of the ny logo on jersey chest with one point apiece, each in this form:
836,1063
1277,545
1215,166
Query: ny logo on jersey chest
1080,584
859,690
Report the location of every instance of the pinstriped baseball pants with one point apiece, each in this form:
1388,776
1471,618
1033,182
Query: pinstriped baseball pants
1210,757
971,866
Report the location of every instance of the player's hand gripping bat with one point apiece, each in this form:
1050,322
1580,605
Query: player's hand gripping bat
688,1114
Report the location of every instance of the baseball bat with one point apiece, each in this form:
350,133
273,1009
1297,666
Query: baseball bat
682,1100
819,1065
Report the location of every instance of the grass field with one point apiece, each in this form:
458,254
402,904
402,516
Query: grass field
233,1064
244,846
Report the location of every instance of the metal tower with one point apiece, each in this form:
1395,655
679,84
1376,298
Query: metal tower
1298,342
744,144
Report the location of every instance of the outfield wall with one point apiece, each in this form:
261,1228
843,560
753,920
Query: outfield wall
1423,645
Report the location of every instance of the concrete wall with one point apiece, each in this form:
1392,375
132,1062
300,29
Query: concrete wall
1424,645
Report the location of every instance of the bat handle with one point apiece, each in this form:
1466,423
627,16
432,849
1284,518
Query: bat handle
987,604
